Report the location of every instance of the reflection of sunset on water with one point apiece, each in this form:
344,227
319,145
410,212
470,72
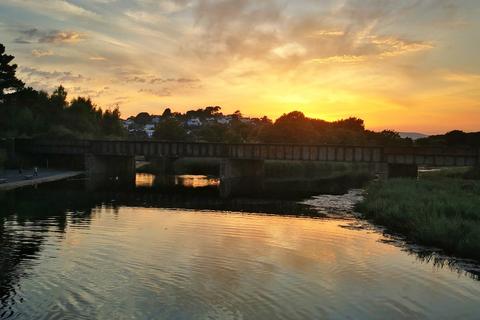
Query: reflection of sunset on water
217,264
144,180
196,181
188,181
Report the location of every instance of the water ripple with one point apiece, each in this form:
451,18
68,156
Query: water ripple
139,263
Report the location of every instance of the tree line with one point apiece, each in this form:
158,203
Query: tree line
293,127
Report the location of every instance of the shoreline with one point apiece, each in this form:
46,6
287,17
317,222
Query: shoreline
55,176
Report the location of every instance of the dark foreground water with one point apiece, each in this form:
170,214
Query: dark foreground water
68,253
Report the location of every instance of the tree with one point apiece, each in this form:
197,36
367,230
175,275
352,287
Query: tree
293,127
170,130
143,118
111,125
352,123
58,100
167,113
8,81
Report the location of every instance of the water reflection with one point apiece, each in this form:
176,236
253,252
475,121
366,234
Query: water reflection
147,180
113,253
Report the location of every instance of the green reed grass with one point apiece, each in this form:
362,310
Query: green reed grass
439,209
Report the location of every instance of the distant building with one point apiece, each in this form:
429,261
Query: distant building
127,124
150,132
156,120
224,119
194,122
149,127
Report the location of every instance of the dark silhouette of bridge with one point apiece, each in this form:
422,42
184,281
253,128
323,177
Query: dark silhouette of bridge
242,165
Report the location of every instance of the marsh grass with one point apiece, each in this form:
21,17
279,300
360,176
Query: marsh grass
441,210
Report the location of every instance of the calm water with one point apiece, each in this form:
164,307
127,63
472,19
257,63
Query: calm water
94,255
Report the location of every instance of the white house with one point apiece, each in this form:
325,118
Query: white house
128,123
194,122
149,129
150,132
224,120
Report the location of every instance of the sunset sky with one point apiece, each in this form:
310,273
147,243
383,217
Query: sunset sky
409,65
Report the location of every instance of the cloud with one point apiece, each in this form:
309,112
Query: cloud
28,36
62,37
289,50
339,59
352,31
67,76
162,92
42,52
34,35
150,79
97,58
178,80
236,28
54,8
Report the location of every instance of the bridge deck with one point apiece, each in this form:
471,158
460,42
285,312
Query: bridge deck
368,154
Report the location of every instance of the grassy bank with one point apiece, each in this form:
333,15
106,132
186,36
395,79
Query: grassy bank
441,209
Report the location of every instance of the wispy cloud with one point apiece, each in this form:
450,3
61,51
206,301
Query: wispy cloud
62,37
34,35
54,8
61,76
97,58
42,52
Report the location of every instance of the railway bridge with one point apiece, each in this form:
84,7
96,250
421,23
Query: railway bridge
242,164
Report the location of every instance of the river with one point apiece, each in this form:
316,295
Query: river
67,252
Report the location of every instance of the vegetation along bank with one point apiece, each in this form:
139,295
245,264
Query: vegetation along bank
440,209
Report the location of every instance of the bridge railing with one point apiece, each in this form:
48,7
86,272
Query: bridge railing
432,156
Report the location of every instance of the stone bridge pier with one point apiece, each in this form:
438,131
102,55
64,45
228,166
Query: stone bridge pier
241,177
120,168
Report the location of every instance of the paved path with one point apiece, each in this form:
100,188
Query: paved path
12,179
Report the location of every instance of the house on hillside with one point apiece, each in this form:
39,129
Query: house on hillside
149,129
224,119
128,124
194,122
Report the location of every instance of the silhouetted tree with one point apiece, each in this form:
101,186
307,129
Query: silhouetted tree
8,81
143,118
167,113
170,130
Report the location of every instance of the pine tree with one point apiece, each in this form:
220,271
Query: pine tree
8,81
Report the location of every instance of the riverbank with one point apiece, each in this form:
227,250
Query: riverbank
441,209
12,179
